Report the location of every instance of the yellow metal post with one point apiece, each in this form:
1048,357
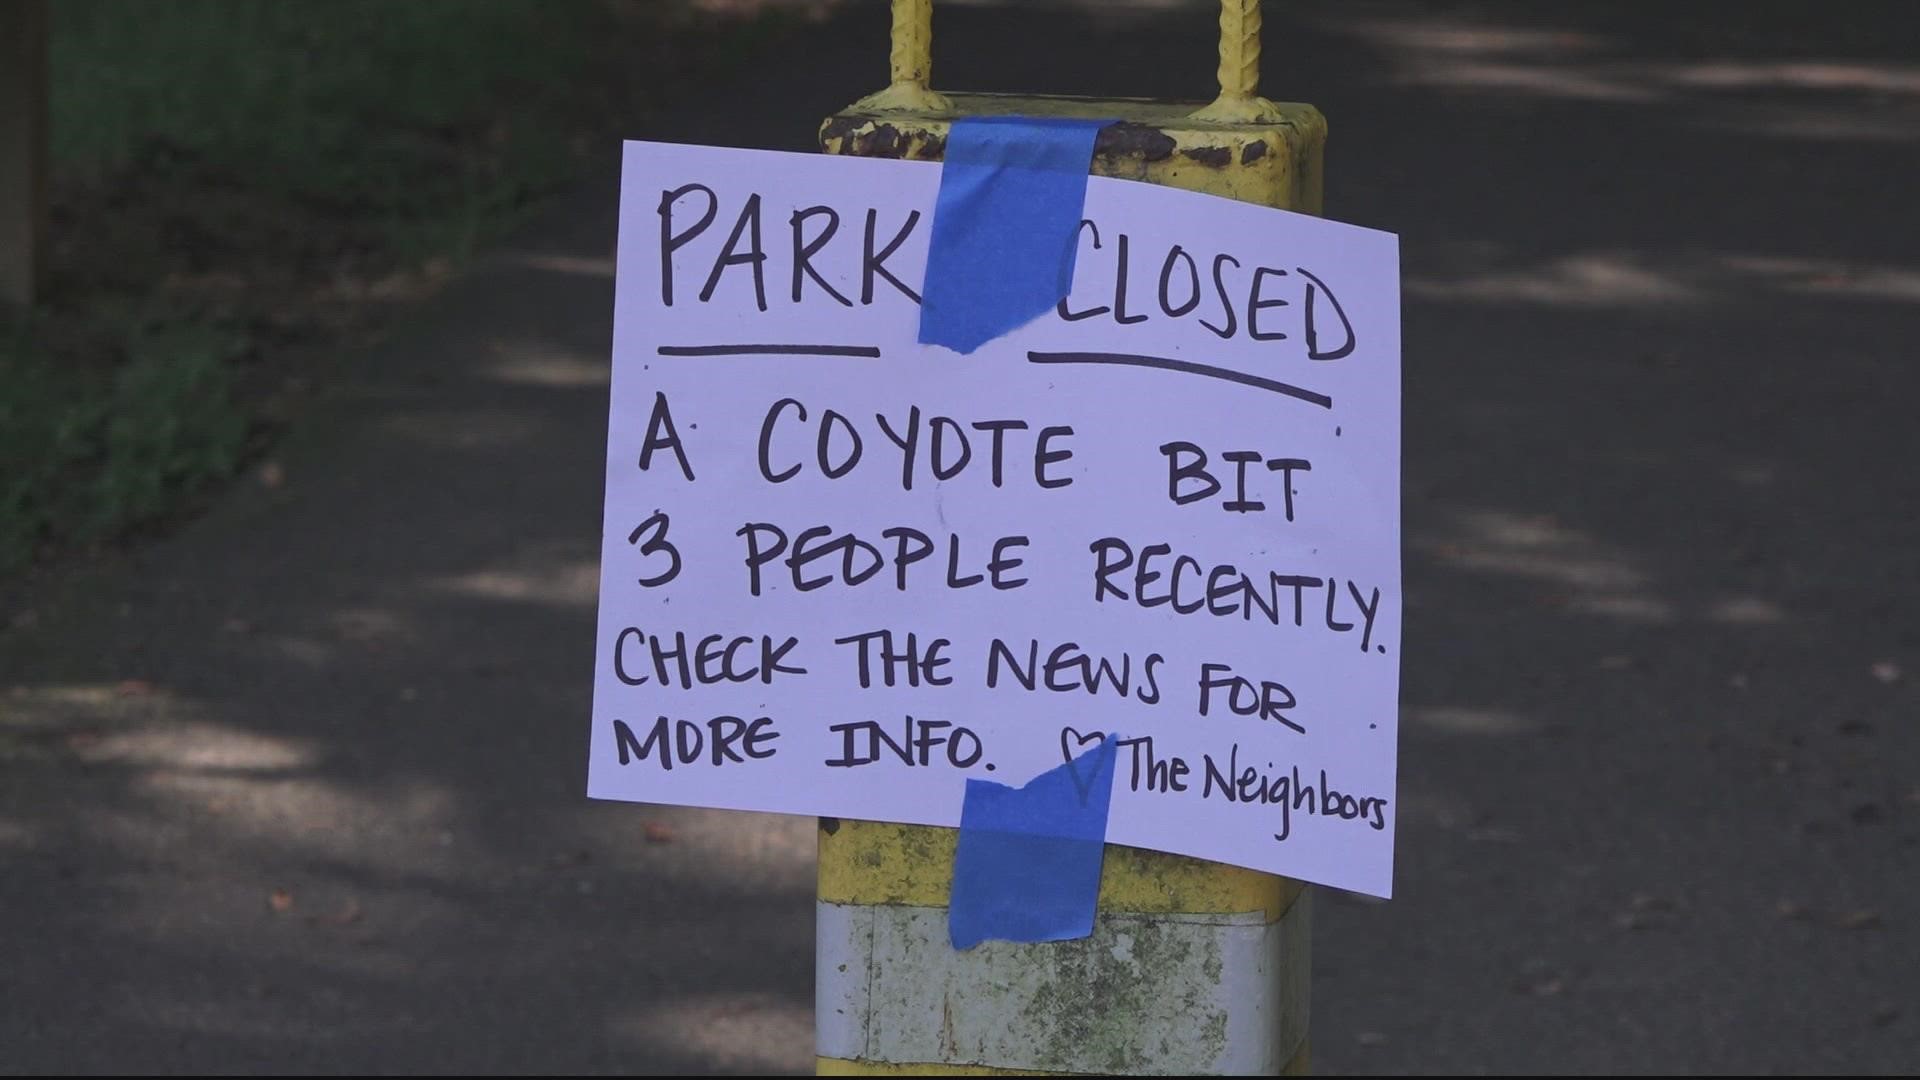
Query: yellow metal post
1193,967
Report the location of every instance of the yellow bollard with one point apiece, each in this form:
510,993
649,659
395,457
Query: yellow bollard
1193,968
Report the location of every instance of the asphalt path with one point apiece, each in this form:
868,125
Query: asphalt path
299,786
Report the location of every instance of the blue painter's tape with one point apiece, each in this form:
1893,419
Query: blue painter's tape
1028,863
1004,226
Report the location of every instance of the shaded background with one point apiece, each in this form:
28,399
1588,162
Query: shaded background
291,752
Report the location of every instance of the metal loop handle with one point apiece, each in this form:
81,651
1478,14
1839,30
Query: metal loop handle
1239,101
911,63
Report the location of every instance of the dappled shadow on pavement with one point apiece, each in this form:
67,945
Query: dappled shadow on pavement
302,787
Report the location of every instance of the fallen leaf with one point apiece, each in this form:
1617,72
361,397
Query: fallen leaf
280,900
657,833
1861,919
272,475
133,688
1886,671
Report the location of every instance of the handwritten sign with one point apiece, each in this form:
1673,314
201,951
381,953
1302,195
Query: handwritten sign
843,572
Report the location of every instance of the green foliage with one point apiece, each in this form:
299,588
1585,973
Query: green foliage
429,118
88,457
172,428
280,148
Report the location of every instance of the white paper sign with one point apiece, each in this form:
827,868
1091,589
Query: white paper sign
844,572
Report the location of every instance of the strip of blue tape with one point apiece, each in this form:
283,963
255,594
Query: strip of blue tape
1002,250
1028,863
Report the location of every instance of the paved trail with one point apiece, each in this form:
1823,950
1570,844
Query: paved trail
300,786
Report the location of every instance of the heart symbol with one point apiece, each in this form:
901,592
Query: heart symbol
1081,784
1068,753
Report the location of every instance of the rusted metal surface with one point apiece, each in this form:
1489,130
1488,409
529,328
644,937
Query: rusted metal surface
1276,163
